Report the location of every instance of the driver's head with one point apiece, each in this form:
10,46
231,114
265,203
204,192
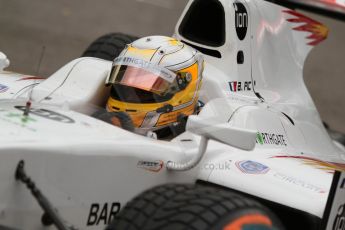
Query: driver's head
156,81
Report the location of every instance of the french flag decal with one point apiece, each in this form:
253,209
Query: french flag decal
233,86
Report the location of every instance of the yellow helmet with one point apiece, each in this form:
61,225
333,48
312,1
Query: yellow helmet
156,80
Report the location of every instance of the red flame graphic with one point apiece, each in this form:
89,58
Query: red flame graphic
318,31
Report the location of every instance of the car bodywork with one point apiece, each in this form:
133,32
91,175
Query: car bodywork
252,80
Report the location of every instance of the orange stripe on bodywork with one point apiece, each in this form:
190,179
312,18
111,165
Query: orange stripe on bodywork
324,165
30,78
253,219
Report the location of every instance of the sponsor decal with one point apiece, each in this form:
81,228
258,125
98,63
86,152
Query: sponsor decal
102,214
339,222
135,62
18,119
47,114
236,86
318,32
299,182
241,20
319,164
23,119
252,167
259,138
153,166
3,88
334,214
216,166
270,139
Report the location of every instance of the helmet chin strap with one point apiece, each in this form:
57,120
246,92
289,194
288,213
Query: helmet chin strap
165,109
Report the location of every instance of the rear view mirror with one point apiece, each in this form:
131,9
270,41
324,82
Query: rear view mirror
208,129
224,132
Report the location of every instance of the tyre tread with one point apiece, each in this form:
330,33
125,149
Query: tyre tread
108,46
182,206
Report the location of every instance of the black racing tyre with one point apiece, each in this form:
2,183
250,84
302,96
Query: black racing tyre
193,207
108,46
120,119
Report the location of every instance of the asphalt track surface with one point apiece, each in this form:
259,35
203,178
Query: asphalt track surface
65,28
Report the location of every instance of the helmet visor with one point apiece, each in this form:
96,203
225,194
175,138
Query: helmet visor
143,75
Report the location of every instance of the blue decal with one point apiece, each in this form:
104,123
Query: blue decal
252,167
3,88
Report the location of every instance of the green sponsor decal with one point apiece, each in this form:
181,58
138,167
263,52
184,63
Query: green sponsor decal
18,119
270,139
259,138
23,119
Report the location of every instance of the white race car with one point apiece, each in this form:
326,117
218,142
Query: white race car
257,156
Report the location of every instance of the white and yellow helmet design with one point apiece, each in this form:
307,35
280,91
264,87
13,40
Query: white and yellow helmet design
155,80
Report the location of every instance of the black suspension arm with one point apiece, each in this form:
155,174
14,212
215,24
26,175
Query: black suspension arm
48,209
